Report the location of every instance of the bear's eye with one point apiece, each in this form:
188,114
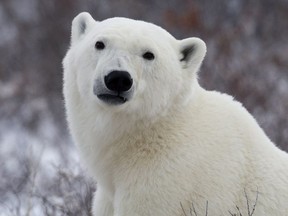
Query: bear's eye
148,56
99,45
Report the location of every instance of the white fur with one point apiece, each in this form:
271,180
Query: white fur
173,142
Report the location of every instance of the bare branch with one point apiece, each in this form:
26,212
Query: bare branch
206,208
183,209
231,213
247,201
238,209
194,210
256,200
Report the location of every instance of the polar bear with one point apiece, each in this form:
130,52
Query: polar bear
156,142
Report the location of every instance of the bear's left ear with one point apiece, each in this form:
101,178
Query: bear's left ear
192,52
81,24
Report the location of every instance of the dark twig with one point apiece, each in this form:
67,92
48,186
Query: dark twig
183,209
231,213
247,202
254,206
238,209
194,210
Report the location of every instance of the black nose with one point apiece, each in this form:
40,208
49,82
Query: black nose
119,81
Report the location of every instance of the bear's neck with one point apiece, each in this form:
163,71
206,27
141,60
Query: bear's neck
117,134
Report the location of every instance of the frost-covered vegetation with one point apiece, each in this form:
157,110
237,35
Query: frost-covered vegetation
39,167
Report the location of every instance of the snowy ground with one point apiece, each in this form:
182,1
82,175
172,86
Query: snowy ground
40,172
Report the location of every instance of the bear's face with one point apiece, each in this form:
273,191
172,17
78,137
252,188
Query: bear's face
130,66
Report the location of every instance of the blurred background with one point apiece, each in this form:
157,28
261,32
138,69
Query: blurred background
39,168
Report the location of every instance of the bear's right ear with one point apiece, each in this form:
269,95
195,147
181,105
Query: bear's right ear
80,26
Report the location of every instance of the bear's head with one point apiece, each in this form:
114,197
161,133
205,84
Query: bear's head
130,67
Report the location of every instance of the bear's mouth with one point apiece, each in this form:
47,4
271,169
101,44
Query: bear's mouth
112,99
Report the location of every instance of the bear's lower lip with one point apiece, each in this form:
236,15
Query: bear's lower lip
112,99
